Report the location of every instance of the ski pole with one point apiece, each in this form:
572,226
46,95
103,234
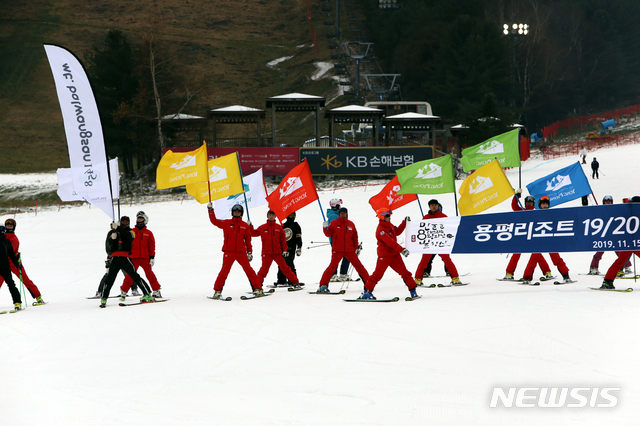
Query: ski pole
319,242
320,245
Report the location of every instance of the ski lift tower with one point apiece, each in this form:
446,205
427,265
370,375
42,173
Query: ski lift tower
382,84
357,50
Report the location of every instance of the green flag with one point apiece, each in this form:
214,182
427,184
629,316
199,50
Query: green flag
427,177
503,147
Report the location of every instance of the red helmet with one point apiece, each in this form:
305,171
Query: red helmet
382,212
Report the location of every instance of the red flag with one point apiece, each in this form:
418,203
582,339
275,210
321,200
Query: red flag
389,198
294,192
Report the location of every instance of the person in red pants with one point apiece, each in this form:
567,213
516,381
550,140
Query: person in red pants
345,243
143,253
434,213
529,204
274,249
623,257
10,225
389,252
536,258
236,248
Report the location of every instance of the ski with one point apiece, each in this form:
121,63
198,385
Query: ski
12,311
632,277
255,297
100,297
38,303
338,292
265,292
628,290
223,299
547,278
142,303
445,276
409,298
507,279
426,286
564,282
395,299
594,275
452,285
528,283
298,288
279,285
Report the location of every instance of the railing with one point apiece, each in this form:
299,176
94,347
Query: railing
569,149
589,122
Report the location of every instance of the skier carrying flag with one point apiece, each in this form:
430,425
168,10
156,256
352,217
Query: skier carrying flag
544,203
389,252
236,248
529,204
433,213
10,225
345,243
274,249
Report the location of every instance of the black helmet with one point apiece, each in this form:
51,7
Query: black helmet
544,199
635,199
607,198
237,207
529,199
11,221
343,209
2,230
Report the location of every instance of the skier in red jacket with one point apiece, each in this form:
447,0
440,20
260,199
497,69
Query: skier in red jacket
10,225
143,253
344,244
237,248
389,252
434,213
529,204
274,249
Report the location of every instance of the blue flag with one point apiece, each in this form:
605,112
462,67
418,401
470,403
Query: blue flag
562,185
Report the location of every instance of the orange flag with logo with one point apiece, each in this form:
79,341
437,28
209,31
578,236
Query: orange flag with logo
294,192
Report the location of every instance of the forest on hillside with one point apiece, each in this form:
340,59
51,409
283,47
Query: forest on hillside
578,57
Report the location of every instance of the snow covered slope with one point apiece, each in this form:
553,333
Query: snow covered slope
301,359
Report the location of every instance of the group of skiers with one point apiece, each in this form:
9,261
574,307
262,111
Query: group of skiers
131,248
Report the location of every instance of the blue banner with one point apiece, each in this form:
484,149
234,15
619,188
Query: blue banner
562,185
574,229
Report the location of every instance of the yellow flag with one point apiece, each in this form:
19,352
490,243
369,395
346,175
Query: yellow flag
224,177
182,168
486,187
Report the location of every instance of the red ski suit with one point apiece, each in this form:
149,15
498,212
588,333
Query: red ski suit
237,242
274,243
344,238
612,272
389,255
515,257
15,243
427,257
143,248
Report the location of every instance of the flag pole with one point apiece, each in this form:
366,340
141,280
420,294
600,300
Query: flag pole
420,205
208,177
455,196
246,205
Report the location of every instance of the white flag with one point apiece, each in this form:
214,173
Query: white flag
83,128
65,183
254,188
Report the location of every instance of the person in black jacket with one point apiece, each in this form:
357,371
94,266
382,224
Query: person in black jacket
594,167
293,234
120,238
6,253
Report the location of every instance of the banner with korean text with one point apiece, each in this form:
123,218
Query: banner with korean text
593,228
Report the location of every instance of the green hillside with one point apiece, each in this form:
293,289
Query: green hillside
225,44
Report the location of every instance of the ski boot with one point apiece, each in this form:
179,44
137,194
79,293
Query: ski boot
620,273
567,278
607,285
627,270
103,303
594,271
323,289
508,276
414,293
39,301
343,277
418,281
334,278
123,296
217,295
17,307
258,292
297,286
146,298
367,295
548,276
455,280
156,294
